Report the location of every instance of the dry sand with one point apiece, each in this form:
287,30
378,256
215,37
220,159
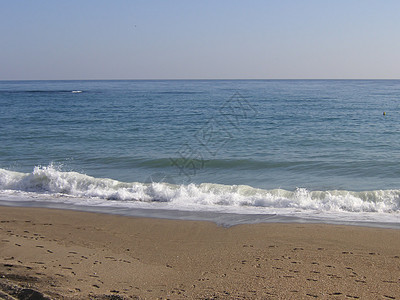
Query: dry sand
75,255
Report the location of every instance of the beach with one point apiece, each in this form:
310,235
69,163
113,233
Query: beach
62,254
199,151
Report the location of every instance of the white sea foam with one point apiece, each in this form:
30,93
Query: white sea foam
51,184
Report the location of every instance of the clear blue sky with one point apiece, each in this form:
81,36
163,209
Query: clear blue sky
99,39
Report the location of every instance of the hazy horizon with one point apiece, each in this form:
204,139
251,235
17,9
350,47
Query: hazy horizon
213,79
179,40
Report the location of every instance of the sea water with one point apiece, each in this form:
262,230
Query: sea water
229,151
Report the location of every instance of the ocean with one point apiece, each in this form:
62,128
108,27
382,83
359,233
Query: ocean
227,151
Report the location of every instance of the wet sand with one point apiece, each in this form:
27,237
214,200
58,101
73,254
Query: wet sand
61,254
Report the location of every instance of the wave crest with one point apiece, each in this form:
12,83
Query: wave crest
50,180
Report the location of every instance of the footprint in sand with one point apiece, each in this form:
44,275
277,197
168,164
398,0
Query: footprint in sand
389,281
311,295
360,281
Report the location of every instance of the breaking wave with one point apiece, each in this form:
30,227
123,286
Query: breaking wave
48,180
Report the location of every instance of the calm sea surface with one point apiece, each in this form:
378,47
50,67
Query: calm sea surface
310,149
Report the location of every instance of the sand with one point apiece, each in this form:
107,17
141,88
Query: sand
60,254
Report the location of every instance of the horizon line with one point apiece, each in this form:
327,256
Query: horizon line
201,79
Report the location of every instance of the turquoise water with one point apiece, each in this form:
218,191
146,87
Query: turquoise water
306,148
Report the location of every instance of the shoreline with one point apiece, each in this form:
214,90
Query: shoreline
78,255
225,219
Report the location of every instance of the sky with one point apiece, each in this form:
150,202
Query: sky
171,39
